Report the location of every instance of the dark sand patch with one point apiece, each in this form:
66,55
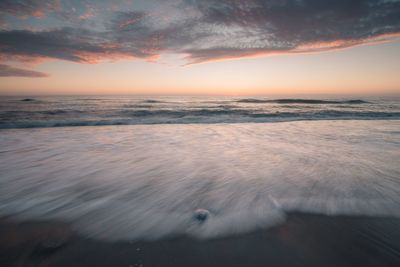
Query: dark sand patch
303,240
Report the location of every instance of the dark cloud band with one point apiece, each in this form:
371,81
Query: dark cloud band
206,30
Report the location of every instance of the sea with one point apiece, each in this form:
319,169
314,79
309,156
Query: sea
17,112
144,168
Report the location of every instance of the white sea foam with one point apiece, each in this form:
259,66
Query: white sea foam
146,181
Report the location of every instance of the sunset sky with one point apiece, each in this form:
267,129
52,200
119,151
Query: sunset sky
228,47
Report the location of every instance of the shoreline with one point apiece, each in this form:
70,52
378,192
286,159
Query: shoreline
302,240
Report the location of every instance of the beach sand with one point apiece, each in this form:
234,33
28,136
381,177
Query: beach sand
302,240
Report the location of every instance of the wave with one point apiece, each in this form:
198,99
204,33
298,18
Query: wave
54,112
255,113
60,112
186,112
302,101
151,101
202,116
137,106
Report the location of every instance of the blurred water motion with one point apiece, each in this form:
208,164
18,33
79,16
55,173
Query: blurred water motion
146,181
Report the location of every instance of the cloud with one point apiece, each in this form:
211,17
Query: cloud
8,71
28,8
89,13
262,27
206,30
70,44
203,30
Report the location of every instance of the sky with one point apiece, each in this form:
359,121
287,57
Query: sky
195,47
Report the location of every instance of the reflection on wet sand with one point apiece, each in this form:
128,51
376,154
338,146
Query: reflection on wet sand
303,240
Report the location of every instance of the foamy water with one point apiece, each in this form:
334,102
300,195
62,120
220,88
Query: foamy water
146,181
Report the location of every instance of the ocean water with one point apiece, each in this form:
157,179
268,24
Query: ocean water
146,181
131,110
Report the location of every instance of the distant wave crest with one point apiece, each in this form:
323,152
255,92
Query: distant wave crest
302,101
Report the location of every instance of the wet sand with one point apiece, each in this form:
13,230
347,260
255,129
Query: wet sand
303,240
